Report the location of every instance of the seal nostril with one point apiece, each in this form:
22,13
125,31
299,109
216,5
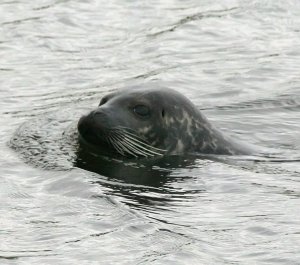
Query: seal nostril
163,113
100,119
98,112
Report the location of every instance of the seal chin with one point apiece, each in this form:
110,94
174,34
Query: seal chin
82,126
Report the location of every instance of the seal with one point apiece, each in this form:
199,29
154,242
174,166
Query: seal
152,121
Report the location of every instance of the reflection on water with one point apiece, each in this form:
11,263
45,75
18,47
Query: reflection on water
156,171
139,180
150,172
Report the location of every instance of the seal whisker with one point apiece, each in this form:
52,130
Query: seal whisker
114,143
136,151
138,139
126,149
130,132
119,142
148,149
134,147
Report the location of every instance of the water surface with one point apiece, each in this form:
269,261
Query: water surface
238,61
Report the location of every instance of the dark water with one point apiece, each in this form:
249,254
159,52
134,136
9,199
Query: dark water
239,61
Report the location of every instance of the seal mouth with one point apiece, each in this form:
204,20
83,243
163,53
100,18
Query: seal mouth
121,140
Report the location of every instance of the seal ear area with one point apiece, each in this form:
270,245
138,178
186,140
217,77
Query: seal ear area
103,101
106,99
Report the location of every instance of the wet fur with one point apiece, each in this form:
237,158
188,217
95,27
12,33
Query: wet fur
175,126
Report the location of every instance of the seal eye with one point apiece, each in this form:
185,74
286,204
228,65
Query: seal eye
141,110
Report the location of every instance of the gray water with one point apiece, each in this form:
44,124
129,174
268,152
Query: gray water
238,61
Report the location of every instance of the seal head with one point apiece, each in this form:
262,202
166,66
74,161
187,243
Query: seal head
141,122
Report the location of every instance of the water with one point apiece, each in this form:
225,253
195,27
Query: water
238,61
